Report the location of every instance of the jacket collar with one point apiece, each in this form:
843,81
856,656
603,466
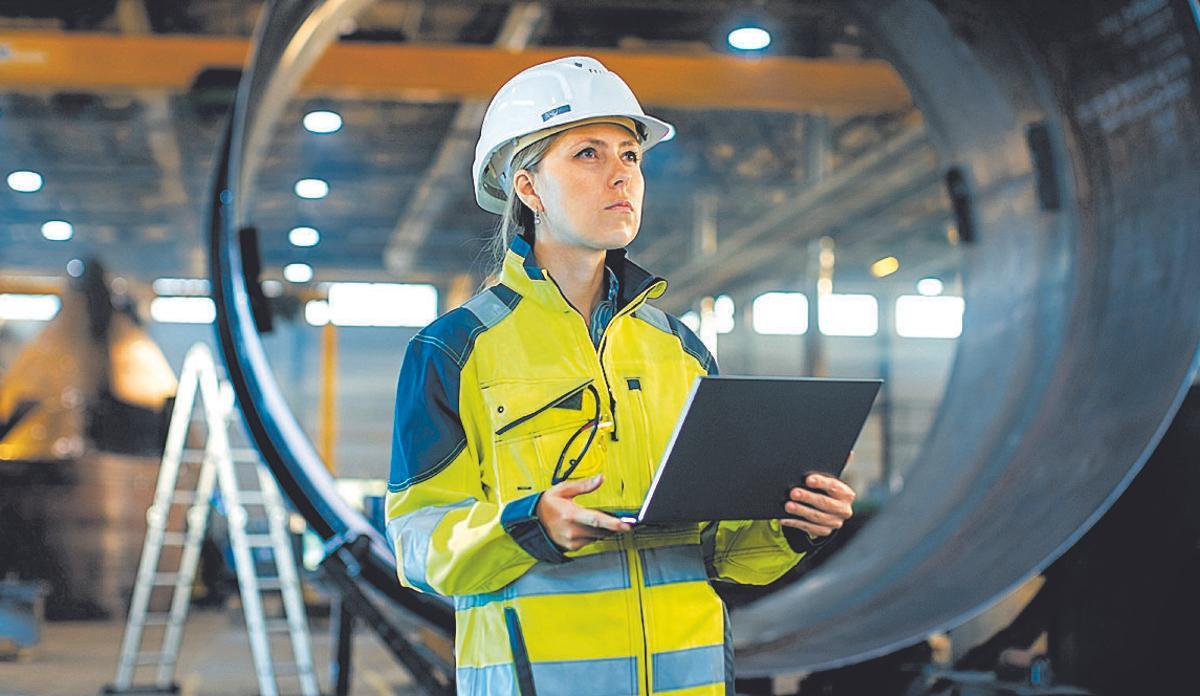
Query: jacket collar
521,273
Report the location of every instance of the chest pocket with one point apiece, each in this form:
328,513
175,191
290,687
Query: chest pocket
540,429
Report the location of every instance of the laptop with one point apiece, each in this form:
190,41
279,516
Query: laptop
742,443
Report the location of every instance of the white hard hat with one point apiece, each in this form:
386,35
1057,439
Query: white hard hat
547,97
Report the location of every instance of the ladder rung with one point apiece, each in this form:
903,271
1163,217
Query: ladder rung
183,498
244,455
192,455
158,618
276,625
260,540
251,498
174,538
287,668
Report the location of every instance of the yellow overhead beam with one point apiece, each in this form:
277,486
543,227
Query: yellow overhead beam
36,61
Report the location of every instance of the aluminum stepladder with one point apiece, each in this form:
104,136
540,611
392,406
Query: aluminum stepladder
218,468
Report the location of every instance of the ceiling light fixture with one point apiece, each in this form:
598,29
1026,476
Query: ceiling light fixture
25,181
749,38
304,236
312,188
298,272
322,122
57,230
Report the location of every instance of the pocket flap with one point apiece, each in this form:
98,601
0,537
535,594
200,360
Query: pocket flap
515,403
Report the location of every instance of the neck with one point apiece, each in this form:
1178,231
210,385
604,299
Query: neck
578,271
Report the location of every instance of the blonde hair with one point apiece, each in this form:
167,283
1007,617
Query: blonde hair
517,217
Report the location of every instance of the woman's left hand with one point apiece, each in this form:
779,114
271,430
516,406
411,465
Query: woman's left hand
820,513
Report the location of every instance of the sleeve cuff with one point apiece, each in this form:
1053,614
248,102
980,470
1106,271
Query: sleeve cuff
519,518
801,542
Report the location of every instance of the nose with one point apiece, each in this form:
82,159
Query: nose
619,178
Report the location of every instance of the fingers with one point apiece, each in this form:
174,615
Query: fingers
833,485
575,535
571,526
572,488
813,529
815,516
824,503
594,519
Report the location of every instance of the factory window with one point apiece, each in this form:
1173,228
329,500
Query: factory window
780,313
15,307
382,304
848,315
183,310
929,317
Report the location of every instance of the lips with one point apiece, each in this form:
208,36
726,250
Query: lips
621,205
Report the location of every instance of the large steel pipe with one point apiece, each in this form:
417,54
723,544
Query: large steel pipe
1069,133
1076,131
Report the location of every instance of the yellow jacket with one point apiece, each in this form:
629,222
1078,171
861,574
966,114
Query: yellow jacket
489,396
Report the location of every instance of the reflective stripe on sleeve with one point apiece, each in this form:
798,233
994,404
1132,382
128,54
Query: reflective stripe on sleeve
413,532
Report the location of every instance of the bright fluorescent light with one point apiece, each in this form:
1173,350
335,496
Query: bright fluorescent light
182,286
298,272
304,236
316,312
848,315
780,313
312,188
749,38
885,267
382,304
183,310
930,287
57,230
322,122
929,317
14,307
25,181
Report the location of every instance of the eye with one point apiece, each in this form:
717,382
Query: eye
632,155
588,152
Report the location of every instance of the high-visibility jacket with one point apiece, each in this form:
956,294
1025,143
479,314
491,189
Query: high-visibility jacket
489,397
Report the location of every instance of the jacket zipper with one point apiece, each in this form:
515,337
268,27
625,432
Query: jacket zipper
612,401
634,557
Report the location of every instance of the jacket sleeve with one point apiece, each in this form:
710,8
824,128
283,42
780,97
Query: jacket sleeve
756,552
448,538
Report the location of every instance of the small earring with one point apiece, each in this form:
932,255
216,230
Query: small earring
537,217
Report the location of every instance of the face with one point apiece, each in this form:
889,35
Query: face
589,186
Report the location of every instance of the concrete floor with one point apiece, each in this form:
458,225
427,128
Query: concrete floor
78,658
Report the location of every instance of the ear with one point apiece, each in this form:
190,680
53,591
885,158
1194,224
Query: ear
523,187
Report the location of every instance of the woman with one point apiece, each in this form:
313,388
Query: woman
531,414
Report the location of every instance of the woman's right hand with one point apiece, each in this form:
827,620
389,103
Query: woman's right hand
572,526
